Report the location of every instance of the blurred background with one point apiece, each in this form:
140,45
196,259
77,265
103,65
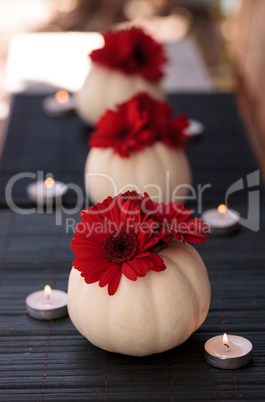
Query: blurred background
222,37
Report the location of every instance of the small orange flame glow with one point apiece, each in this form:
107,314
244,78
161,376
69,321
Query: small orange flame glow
225,341
47,291
222,208
62,96
49,182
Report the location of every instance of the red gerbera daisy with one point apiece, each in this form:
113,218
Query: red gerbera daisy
119,235
113,238
132,52
138,123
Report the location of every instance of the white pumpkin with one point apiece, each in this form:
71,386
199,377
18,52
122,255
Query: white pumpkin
104,88
161,171
151,315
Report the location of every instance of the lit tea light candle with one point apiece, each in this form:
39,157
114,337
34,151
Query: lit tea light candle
195,128
59,105
228,352
47,304
47,191
222,220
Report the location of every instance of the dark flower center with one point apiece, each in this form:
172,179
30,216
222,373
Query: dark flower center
121,246
139,56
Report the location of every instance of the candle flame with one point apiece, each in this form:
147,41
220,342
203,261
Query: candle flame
226,341
47,291
49,182
62,96
222,208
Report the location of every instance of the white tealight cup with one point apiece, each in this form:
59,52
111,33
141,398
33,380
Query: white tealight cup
59,105
45,192
47,304
222,221
233,353
195,128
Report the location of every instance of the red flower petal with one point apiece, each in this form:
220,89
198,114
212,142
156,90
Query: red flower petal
109,273
148,261
128,271
156,260
137,266
114,283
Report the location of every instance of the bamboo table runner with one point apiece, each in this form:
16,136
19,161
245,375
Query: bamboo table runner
50,360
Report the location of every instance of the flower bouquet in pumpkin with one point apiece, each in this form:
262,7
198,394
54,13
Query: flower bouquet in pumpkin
138,147
136,286
129,62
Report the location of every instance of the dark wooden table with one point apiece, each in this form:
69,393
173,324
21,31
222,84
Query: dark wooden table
51,360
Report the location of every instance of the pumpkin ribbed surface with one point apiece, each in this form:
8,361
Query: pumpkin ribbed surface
157,170
151,315
105,88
